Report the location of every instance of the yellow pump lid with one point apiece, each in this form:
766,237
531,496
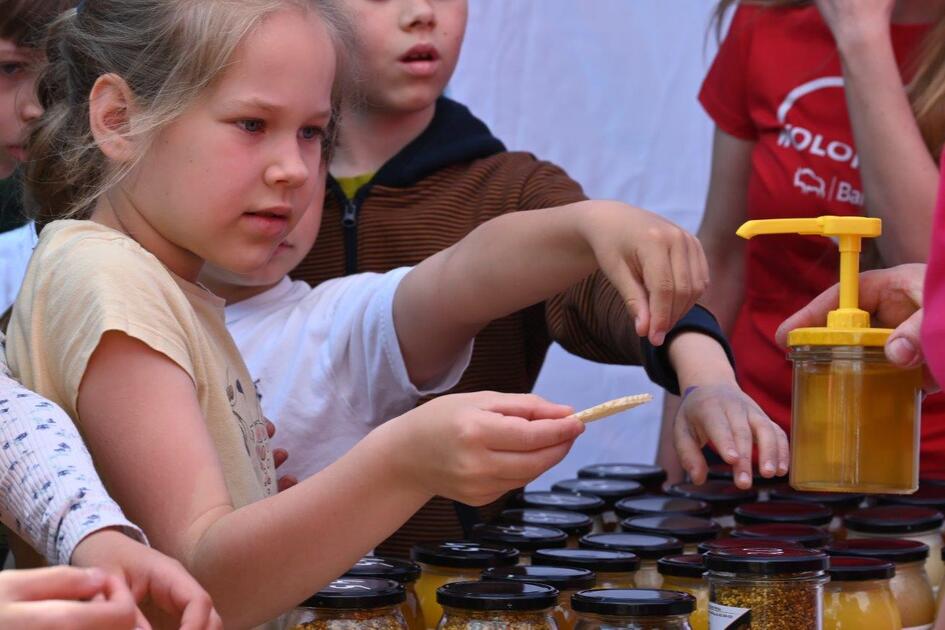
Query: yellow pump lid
848,325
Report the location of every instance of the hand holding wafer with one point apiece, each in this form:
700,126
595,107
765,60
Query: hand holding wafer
612,407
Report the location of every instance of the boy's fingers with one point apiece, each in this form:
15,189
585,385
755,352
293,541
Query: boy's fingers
528,406
634,295
784,452
661,286
519,469
507,433
683,280
270,429
690,453
279,456
766,438
55,614
54,583
286,482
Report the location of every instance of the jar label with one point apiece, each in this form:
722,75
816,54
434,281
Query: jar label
728,617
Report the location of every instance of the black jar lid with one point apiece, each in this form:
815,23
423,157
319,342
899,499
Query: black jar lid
583,503
689,529
651,505
610,490
571,523
632,602
763,560
838,501
647,474
687,566
497,595
798,512
804,535
891,549
894,519
403,571
721,495
855,569
728,543
357,594
597,560
562,578
645,546
723,472
525,538
462,554
927,496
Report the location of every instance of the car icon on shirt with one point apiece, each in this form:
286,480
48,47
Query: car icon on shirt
809,183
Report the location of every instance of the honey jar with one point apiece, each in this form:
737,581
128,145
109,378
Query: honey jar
614,569
610,490
496,605
858,595
802,535
567,580
403,572
525,538
649,548
633,609
650,505
686,575
723,544
855,415
454,561
723,497
650,476
840,503
349,603
574,524
691,530
590,505
783,512
931,496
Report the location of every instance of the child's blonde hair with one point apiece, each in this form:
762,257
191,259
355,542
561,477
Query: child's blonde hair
167,51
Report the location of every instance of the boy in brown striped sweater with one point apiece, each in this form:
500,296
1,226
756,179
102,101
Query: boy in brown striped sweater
415,172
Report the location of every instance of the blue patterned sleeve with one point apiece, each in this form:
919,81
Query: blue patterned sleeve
50,494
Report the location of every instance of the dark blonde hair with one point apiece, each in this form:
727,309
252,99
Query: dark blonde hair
927,88
167,51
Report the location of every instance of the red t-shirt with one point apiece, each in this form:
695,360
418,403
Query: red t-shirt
933,321
777,81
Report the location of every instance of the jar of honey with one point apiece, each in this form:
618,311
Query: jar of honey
931,496
723,497
633,609
498,605
592,506
858,595
403,572
567,580
686,575
723,544
610,490
910,586
840,503
691,530
900,521
783,512
651,477
574,524
454,561
614,569
649,505
525,538
367,604
649,548
803,535
763,485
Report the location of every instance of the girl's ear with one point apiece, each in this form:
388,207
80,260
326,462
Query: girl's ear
111,105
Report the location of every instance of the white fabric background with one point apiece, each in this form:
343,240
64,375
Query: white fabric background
16,247
606,89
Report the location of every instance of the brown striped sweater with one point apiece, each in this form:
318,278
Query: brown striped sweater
453,177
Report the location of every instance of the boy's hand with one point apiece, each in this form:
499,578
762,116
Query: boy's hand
658,268
168,595
66,597
724,415
279,457
474,448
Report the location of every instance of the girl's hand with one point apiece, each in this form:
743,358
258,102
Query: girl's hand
168,596
659,268
66,597
856,19
474,448
734,423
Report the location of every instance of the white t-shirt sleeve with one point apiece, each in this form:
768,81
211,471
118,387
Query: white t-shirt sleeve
365,356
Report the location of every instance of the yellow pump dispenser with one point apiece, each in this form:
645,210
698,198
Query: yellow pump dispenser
855,416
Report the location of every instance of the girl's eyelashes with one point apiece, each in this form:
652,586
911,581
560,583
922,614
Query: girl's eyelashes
311,133
251,125
11,68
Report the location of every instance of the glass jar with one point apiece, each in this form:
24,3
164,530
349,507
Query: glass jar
352,604
774,588
614,569
900,521
855,421
650,476
574,524
633,609
910,585
723,497
723,544
691,530
858,595
686,575
783,512
941,588
840,503
590,505
403,572
649,548
525,538
723,472
453,561
499,605
803,535
610,490
658,506
567,580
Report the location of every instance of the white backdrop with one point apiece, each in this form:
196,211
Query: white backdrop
606,89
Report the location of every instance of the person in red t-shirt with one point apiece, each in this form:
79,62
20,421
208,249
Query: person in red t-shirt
807,97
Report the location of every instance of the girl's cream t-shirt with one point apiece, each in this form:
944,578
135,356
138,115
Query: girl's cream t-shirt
86,279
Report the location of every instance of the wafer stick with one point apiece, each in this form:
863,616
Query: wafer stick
611,407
